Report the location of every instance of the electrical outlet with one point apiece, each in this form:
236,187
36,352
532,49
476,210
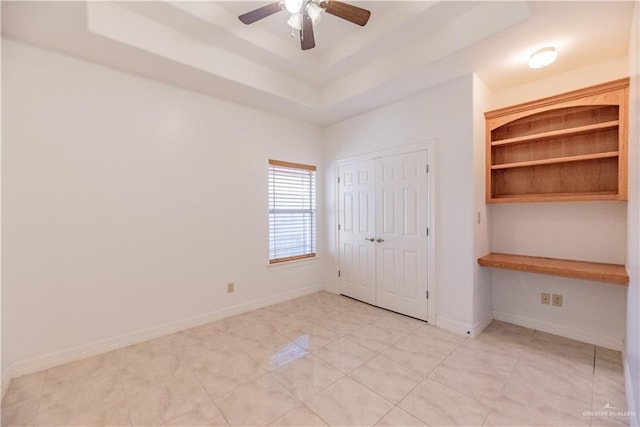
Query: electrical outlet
545,298
557,300
230,287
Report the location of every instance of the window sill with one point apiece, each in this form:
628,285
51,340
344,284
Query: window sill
293,263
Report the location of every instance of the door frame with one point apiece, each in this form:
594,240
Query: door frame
429,146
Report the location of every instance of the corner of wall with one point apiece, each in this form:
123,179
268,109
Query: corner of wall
482,301
632,341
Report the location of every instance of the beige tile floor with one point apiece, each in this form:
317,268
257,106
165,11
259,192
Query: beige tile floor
328,360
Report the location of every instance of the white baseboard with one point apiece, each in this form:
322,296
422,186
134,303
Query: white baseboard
58,358
480,326
634,419
607,341
454,326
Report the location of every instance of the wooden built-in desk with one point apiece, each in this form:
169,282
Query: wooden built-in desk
610,273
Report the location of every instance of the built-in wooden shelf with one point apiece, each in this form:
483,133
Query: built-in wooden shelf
601,272
610,154
568,147
580,130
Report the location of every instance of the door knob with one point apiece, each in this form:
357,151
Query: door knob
380,240
371,239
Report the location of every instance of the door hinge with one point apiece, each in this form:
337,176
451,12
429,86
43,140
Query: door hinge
427,168
339,227
427,294
338,180
338,273
427,231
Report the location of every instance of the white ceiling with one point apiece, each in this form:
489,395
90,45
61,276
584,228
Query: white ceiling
406,47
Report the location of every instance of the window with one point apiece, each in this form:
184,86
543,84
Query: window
292,211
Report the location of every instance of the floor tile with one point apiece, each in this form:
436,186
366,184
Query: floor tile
477,370
398,418
257,403
340,324
167,402
510,338
374,338
387,378
24,388
66,413
204,354
311,338
609,393
88,367
578,354
286,365
436,404
21,414
80,393
612,356
344,354
141,353
348,403
273,356
497,418
204,415
554,376
420,354
229,374
143,377
484,356
116,414
471,381
398,323
538,395
300,416
202,333
307,376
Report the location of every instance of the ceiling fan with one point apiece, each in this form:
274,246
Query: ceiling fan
307,13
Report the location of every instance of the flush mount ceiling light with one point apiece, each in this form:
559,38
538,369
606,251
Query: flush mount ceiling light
543,57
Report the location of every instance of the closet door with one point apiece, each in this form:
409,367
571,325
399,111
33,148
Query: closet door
357,230
401,225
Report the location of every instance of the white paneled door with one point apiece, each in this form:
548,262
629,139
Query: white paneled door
401,237
357,230
383,232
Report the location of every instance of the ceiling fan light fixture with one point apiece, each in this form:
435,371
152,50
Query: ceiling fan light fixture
295,21
315,13
543,57
293,6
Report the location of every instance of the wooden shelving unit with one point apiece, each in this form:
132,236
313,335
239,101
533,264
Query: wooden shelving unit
564,148
609,273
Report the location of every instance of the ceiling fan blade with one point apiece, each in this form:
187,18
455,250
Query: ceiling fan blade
351,13
261,12
307,39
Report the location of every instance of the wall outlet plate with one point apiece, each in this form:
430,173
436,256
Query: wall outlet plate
545,298
557,300
230,287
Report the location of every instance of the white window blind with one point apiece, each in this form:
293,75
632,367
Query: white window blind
292,211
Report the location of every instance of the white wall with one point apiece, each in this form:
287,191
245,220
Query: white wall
118,199
443,113
632,351
590,231
4,379
482,298
559,83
